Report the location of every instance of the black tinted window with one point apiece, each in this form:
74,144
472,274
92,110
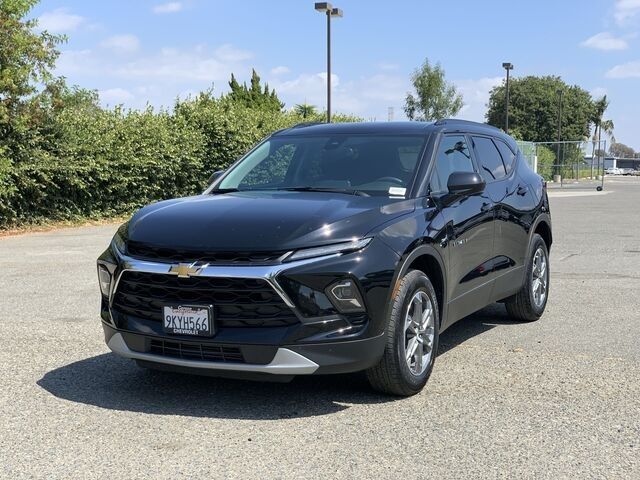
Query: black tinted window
508,157
491,166
453,156
375,164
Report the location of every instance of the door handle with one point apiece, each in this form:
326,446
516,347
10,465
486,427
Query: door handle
522,191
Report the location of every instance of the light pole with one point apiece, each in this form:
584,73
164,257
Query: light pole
329,11
560,92
507,66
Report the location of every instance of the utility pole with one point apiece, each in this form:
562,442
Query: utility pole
560,93
507,66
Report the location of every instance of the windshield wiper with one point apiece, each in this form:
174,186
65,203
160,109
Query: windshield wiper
346,191
225,190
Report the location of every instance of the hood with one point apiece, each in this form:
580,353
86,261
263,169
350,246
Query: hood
262,221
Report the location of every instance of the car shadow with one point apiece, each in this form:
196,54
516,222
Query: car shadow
114,383
476,324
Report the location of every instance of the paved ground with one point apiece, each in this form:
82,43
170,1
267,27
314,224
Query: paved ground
559,398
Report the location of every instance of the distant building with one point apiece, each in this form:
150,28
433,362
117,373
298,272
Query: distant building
615,162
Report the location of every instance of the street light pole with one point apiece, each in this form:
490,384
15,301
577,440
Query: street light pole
558,169
329,65
507,66
329,11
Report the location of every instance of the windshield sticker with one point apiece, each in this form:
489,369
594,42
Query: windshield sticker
397,191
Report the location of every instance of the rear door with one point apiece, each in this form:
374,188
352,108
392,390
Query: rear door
517,213
469,226
508,195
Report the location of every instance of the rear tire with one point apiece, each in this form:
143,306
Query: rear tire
412,338
529,303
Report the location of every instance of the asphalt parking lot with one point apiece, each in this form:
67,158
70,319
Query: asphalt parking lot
559,398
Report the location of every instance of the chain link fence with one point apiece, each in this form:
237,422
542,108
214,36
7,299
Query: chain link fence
567,160
528,150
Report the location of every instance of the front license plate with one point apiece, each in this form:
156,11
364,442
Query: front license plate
187,320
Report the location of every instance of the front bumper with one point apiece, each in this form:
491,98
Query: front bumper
287,360
309,343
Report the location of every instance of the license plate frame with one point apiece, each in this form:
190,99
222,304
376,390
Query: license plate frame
188,320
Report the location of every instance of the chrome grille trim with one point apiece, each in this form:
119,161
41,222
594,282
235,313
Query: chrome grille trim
268,273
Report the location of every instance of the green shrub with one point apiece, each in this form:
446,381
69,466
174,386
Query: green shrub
546,160
83,161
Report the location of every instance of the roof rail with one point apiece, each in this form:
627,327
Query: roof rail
456,121
306,124
297,125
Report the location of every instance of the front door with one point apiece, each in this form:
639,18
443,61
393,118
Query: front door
469,223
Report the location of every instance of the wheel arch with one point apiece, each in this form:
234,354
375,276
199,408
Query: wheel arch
428,260
543,228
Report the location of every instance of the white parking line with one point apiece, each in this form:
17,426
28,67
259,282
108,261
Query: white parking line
581,193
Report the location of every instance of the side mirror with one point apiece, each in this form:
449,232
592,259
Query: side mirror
215,175
465,183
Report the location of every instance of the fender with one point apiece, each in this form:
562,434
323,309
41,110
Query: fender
403,267
542,216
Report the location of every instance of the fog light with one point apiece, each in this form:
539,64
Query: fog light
345,296
104,279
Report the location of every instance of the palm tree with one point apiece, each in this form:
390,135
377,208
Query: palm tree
600,106
606,127
305,110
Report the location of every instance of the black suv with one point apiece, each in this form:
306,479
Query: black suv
332,248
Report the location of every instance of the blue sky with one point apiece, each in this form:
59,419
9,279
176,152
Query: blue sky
134,52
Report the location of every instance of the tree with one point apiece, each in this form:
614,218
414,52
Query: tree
255,96
620,150
601,125
533,109
434,97
599,107
607,126
26,58
600,153
305,110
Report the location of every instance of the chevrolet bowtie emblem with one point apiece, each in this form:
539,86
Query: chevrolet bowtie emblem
185,270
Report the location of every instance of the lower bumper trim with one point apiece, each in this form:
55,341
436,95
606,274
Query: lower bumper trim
285,362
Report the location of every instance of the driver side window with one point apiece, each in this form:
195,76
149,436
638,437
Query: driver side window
453,156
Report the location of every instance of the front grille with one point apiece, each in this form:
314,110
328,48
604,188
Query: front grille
150,252
196,351
238,302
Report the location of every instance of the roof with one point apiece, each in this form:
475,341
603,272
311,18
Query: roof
358,128
448,125
386,127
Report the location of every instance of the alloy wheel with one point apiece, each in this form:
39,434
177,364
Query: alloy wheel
539,277
419,333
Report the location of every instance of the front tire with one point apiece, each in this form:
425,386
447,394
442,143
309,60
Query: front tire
412,338
529,303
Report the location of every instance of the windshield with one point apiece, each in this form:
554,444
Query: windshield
360,164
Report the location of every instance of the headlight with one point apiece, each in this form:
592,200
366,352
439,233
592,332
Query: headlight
118,242
343,247
104,279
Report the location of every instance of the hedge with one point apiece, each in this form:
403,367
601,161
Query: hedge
93,162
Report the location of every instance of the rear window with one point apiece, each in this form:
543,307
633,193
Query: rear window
508,157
